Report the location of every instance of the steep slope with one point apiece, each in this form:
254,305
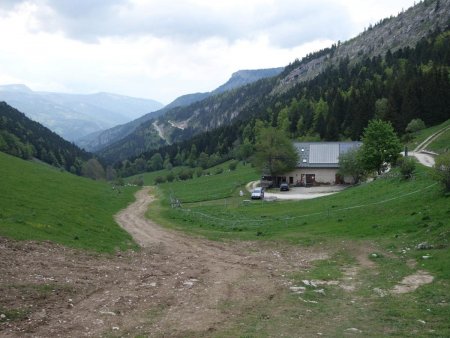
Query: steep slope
100,140
392,34
38,202
27,139
411,83
74,115
400,33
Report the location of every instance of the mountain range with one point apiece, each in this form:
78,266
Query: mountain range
322,96
396,69
73,116
102,139
264,96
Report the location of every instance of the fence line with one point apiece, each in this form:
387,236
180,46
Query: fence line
306,215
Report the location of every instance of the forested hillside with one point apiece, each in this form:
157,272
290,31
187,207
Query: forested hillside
24,138
329,94
146,135
407,84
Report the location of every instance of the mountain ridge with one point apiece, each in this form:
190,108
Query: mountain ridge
75,115
261,97
100,140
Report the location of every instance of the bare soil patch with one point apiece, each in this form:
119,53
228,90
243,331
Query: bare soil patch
412,282
175,286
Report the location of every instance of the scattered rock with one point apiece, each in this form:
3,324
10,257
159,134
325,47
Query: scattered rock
421,321
297,289
353,329
308,301
380,292
424,246
321,291
115,328
310,283
189,283
2,316
426,257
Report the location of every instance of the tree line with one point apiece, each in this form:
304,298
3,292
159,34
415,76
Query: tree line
411,83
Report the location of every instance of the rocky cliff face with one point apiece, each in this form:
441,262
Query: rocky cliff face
394,33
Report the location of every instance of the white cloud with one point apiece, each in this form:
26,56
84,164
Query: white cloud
162,49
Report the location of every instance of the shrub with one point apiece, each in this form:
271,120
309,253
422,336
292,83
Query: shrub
218,171
415,125
233,165
185,174
139,181
160,179
199,172
350,164
407,166
170,176
442,170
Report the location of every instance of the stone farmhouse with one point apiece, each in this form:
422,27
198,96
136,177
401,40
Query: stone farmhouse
318,164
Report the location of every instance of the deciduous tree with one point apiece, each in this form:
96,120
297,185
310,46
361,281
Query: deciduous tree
275,153
350,164
381,146
442,169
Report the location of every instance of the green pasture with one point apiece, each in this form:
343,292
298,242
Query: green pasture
43,203
439,145
391,213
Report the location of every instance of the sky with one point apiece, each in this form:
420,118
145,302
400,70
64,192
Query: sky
161,49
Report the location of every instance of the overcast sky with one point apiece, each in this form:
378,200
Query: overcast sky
163,49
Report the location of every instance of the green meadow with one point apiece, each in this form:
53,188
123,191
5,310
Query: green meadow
390,214
439,145
40,202
405,212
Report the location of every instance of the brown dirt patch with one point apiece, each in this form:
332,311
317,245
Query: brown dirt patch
175,286
412,282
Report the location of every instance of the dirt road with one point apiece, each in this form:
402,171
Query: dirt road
176,286
425,157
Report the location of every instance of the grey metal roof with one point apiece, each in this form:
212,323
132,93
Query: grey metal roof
322,154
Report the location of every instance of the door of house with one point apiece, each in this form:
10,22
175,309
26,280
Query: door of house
310,179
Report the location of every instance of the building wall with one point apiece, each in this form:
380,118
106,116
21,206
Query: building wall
322,175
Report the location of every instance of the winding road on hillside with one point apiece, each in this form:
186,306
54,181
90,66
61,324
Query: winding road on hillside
421,154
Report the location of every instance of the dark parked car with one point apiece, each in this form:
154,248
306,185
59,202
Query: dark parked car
284,187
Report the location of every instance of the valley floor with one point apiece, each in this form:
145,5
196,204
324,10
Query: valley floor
178,286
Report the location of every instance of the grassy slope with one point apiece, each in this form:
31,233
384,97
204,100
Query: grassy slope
390,214
441,144
40,202
389,209
204,188
421,136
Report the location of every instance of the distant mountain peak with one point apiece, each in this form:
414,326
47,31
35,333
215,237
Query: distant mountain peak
247,76
18,88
